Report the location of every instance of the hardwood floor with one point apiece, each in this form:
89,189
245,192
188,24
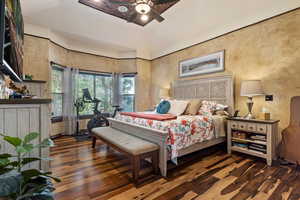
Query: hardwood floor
96,174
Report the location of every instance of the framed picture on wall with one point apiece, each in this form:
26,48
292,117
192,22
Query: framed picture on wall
202,65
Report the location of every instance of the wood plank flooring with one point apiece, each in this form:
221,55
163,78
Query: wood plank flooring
101,173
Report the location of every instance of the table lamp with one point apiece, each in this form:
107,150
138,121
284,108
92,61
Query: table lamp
164,93
251,88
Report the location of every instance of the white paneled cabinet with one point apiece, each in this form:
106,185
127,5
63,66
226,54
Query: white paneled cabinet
21,119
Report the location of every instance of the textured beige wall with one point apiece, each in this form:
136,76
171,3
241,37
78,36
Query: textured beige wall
40,52
36,59
143,85
269,51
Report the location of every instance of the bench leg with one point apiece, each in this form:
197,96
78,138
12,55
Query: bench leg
94,142
155,162
136,168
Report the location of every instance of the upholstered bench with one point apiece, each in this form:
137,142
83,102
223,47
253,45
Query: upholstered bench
134,147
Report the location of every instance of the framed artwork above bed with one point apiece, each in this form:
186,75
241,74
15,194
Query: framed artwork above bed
202,65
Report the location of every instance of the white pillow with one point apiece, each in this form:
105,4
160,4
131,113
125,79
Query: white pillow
177,107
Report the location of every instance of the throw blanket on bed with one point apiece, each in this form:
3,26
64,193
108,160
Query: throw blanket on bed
183,132
158,117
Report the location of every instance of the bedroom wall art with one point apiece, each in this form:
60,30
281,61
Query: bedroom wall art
202,65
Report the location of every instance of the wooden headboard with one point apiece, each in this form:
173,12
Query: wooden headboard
219,89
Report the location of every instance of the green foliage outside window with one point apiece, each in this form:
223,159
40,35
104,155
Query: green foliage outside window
128,94
57,92
100,87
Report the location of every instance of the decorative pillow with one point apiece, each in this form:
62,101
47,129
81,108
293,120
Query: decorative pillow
193,107
221,113
221,107
177,107
163,107
207,108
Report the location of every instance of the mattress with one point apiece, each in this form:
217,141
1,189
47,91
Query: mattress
184,131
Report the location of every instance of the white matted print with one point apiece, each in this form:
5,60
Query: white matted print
202,65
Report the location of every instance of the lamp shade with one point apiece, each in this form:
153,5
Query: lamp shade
252,88
164,93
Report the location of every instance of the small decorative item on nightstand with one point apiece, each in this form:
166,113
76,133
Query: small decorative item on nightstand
253,137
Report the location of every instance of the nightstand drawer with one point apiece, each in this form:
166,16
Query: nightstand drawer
242,125
234,125
251,127
261,128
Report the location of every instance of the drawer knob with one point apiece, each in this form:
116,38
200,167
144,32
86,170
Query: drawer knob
242,126
261,129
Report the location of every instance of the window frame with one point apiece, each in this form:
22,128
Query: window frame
129,75
56,67
94,74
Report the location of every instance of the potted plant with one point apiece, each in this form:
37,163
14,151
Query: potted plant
24,184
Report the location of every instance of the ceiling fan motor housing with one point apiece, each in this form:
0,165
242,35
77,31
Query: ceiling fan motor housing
143,6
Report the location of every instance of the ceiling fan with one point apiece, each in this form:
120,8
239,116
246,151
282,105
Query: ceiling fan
143,8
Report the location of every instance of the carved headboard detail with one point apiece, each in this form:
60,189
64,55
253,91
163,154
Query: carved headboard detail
219,89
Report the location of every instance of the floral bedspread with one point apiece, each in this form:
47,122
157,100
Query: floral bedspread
183,132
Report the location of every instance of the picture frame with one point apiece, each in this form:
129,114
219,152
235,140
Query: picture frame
211,63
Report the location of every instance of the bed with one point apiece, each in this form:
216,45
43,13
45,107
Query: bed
219,89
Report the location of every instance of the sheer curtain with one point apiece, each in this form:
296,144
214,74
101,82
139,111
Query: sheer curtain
116,89
70,96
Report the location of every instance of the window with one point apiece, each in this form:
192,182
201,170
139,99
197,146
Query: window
57,92
100,87
128,93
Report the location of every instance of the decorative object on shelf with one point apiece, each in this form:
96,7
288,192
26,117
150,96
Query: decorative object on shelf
202,65
19,183
265,114
164,93
250,89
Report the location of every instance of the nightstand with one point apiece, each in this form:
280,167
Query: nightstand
254,137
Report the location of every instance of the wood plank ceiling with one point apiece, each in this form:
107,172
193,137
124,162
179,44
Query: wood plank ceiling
112,9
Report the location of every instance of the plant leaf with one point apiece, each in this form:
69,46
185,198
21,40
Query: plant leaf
4,170
6,155
20,149
15,141
30,137
28,147
30,173
46,143
4,161
29,160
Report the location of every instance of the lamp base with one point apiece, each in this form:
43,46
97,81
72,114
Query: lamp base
249,106
249,116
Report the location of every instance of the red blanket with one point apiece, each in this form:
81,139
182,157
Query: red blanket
158,117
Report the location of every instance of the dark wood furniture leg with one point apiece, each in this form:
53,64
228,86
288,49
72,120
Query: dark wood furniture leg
136,168
155,161
94,142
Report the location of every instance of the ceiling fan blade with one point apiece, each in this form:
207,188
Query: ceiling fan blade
157,16
165,1
132,17
120,2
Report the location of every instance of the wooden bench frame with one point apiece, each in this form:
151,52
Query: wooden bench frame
135,159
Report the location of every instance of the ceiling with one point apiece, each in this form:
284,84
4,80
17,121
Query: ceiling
131,14
186,23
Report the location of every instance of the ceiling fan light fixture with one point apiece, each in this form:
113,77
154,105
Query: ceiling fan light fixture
144,18
142,8
122,9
